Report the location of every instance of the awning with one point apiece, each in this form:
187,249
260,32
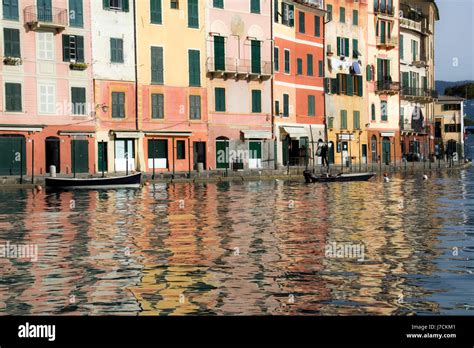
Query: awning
127,135
387,134
296,132
21,128
254,134
169,134
77,133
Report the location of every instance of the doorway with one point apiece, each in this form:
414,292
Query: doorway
80,156
386,158
52,147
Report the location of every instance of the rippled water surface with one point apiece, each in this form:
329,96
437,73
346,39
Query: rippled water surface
253,248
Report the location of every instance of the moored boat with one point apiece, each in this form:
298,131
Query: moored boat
312,178
128,181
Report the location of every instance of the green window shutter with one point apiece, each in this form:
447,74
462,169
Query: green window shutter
301,18
334,86
342,14
355,17
356,120
317,26
13,97
292,15
286,105
329,12
287,61
157,106
180,149
368,70
360,86
218,3
10,9
383,107
320,69
311,105
346,48
350,84
193,14
113,50
220,103
388,67
377,28
299,66
157,65
106,4
155,12
339,46
402,52
330,123
195,107
255,6
355,48
256,57
256,101
309,59
373,112
382,31
275,11
277,108
80,48
125,6
66,52
78,99
11,42
343,119
219,52
76,13
379,70
194,57
276,59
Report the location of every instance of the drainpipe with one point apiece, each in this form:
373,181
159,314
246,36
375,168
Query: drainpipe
135,51
272,85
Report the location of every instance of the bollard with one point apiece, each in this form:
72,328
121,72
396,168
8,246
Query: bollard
52,171
200,167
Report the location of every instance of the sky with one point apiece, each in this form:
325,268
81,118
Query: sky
454,37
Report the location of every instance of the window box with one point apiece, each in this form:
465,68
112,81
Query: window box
78,66
12,61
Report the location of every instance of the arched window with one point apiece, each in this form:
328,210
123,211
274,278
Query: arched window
373,112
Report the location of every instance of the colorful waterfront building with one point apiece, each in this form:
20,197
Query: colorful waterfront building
238,70
298,86
172,96
383,83
346,93
46,87
118,139
449,126
417,77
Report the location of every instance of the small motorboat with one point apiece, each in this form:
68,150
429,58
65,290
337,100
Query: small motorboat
129,181
312,178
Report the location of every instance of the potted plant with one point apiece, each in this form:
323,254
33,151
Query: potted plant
12,61
78,66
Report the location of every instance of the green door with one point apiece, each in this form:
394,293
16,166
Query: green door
102,157
284,149
256,62
12,155
80,156
219,53
386,150
222,154
255,154
331,153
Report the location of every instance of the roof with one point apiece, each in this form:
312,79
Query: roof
436,9
448,98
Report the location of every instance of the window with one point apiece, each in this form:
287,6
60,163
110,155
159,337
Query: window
286,105
299,66
155,12
383,109
157,65
276,58
116,5
180,149
157,106
356,120
342,15
45,45
118,104
402,53
355,48
10,9
320,68
288,17
174,4
331,122
195,107
256,56
369,73
256,101
373,112
329,12
277,108
193,14
255,6
47,98
78,100
11,44
358,85
275,11
343,119
220,99
116,50
219,52
13,97
301,17
76,13
218,3
287,61
311,105
317,26
414,50
194,57
309,64
73,48
342,46
355,17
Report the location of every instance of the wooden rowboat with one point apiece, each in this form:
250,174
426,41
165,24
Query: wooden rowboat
129,181
311,178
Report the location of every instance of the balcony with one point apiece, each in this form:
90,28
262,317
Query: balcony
410,24
386,86
46,18
387,43
420,61
420,95
238,69
384,9
317,4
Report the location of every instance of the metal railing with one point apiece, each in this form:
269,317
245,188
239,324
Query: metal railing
419,92
53,15
238,66
387,41
384,8
388,85
312,3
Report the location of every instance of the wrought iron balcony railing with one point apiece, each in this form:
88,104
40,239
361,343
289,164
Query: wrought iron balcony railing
419,92
238,68
387,86
39,17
